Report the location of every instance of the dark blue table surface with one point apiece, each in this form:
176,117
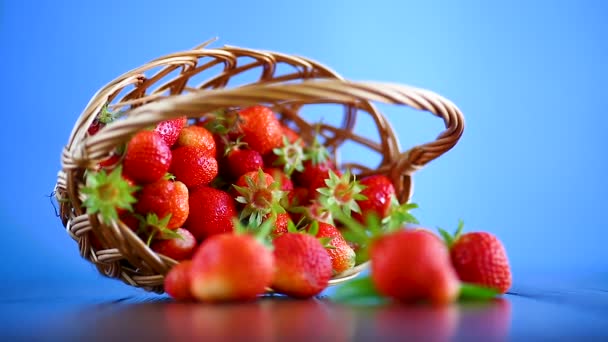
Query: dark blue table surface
559,308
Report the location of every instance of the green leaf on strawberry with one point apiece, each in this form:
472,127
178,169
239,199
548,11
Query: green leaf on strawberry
449,238
106,193
399,214
291,156
158,228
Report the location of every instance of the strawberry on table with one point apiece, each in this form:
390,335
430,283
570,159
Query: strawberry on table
479,258
412,265
169,130
211,212
177,281
193,166
164,197
147,158
303,267
231,267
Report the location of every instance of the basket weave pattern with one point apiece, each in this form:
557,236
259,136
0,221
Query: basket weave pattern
170,90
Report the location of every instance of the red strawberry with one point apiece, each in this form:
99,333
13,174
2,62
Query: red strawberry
211,212
412,265
164,197
198,137
303,267
193,166
169,130
281,177
261,129
147,158
101,120
314,175
342,256
281,223
230,267
177,281
240,161
177,248
379,191
479,258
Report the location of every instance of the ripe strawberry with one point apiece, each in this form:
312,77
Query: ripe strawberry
169,130
240,161
193,166
259,194
199,137
342,256
229,267
101,120
281,224
211,212
177,248
277,174
261,129
479,258
412,265
147,158
177,281
379,191
314,175
303,267
164,197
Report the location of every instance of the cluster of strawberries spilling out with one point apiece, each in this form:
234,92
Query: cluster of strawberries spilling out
244,205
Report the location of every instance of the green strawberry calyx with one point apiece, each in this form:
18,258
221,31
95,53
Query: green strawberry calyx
343,191
399,214
291,156
449,238
104,193
316,152
259,198
157,228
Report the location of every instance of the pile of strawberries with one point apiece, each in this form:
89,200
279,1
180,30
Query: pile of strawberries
245,205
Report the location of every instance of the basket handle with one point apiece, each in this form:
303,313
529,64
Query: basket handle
400,167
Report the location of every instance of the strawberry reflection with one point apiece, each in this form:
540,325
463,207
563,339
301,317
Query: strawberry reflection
488,320
267,319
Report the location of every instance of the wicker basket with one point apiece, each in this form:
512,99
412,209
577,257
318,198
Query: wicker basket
165,88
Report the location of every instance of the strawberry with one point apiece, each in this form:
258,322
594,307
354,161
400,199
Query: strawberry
109,194
261,129
342,256
177,248
303,267
259,195
289,156
147,158
412,265
277,174
177,281
211,212
193,166
230,267
199,137
379,191
101,120
164,197
169,130
281,224
240,161
315,167
479,258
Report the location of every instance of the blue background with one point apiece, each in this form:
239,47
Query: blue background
529,77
